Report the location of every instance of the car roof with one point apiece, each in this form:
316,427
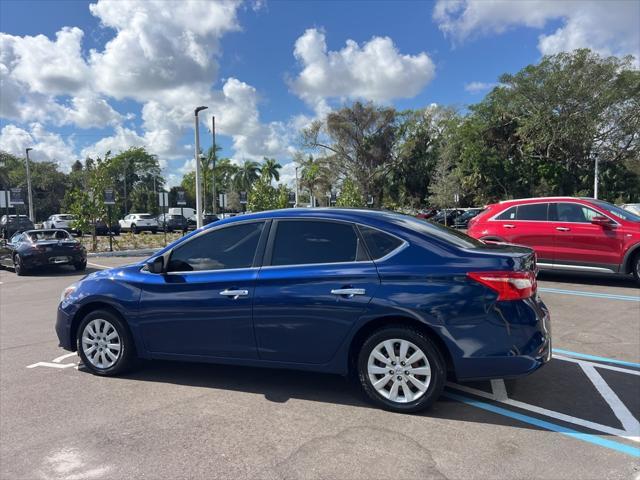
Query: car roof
544,199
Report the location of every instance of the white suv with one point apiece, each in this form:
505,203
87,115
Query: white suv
62,221
139,222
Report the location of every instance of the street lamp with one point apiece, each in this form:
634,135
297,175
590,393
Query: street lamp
29,193
213,167
297,188
198,174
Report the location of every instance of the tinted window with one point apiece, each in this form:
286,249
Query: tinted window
306,241
508,214
379,243
534,211
145,217
628,215
231,247
574,213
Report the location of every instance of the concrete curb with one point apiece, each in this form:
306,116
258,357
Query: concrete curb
143,252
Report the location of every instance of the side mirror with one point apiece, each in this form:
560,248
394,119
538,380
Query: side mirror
602,221
156,265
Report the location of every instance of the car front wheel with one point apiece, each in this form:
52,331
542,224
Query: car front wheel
105,344
400,369
18,266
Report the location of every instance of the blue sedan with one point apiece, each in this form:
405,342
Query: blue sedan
398,302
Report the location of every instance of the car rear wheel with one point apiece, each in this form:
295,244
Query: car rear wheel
636,267
80,266
134,229
105,344
400,369
18,266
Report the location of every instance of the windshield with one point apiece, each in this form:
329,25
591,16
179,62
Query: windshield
617,211
20,220
45,235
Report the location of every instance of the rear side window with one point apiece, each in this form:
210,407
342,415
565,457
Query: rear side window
379,243
508,214
301,242
230,247
532,212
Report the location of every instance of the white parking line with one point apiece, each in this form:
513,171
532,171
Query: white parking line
620,410
51,365
98,265
62,357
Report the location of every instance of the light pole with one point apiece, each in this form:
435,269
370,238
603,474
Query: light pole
297,189
29,193
595,179
213,167
198,173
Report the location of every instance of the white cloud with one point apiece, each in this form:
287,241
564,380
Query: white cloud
476,87
608,27
374,71
159,45
46,145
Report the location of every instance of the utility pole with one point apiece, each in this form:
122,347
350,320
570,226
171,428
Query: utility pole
595,178
198,169
297,189
29,193
213,167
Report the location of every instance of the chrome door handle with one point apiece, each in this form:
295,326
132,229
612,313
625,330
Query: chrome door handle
563,229
235,293
508,225
348,291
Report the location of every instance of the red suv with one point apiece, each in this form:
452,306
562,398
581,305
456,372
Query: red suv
580,234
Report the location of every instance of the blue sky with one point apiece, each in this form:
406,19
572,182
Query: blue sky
79,78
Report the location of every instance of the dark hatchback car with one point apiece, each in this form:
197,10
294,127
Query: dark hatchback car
397,301
462,221
172,222
38,248
102,227
10,224
207,218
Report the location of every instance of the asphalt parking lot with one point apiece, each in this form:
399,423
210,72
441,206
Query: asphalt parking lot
575,418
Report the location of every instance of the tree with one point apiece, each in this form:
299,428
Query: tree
360,140
350,195
315,175
246,174
136,175
270,169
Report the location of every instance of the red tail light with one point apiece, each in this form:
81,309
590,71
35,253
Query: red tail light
508,285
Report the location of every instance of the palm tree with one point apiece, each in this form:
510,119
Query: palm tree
270,169
225,171
247,173
316,175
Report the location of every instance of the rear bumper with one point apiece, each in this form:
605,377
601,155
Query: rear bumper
41,260
517,343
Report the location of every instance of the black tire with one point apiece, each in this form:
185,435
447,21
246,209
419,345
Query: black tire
18,266
432,355
80,266
635,267
153,232
134,229
127,356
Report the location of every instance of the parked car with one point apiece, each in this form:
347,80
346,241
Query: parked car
172,222
63,221
139,222
395,300
447,216
578,234
37,248
10,224
462,221
428,213
632,207
207,218
102,228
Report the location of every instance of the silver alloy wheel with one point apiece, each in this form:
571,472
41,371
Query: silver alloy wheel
101,343
399,370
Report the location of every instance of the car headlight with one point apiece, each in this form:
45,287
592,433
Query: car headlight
68,291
